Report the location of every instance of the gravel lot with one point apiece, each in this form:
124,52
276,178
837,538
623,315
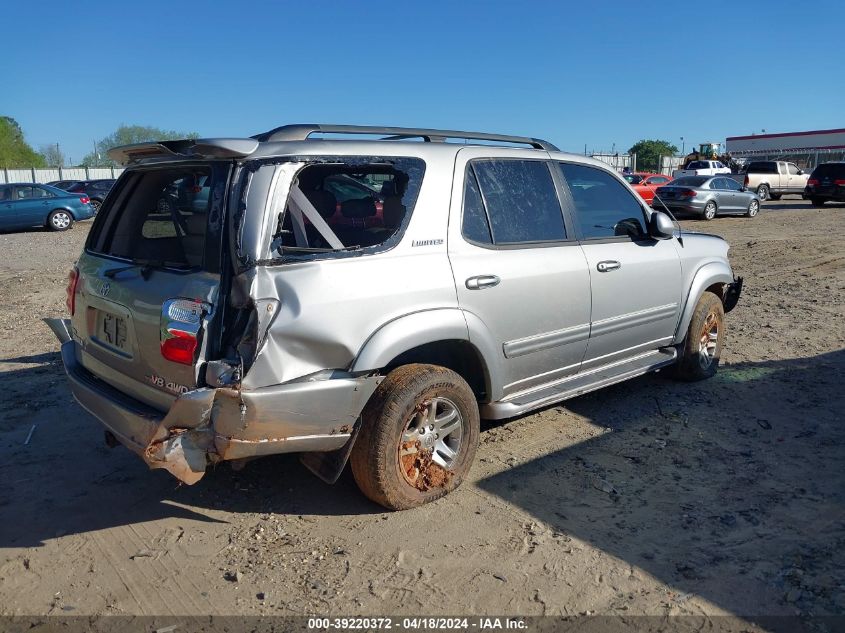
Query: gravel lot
650,497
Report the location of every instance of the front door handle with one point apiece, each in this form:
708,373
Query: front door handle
607,266
482,281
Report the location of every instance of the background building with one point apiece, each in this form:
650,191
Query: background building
806,149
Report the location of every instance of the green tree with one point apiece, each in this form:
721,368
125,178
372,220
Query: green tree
14,150
649,152
126,135
53,156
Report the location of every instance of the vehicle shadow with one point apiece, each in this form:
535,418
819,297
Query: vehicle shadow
731,489
61,479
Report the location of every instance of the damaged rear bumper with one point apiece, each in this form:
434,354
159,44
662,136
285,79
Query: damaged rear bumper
208,425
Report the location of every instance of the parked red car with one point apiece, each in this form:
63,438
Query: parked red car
645,183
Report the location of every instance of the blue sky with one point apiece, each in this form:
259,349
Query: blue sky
595,73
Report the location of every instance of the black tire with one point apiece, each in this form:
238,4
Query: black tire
710,210
763,192
696,363
96,204
775,196
817,202
402,476
753,209
59,220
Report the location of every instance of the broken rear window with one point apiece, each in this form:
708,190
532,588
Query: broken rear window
348,205
163,215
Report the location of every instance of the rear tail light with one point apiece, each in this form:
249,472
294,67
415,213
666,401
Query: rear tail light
70,289
839,183
179,347
85,199
181,320
689,193
812,181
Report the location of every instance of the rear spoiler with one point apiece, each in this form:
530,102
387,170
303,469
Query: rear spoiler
183,149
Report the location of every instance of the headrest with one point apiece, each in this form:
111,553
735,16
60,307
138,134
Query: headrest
389,188
358,208
394,212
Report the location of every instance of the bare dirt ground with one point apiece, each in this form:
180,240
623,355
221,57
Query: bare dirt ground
651,497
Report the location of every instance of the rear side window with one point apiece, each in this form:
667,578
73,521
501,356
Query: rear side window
518,203
603,206
163,215
347,204
762,167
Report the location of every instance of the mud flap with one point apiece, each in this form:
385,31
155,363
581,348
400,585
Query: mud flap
328,466
732,293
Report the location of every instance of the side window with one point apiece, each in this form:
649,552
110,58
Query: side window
731,184
23,193
659,180
793,169
476,226
5,193
714,184
521,201
38,192
603,207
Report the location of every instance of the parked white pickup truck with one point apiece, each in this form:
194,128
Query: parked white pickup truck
702,168
773,178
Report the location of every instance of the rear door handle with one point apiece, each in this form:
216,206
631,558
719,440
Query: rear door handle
482,281
607,266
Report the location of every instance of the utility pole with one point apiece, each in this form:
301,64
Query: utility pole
96,155
683,147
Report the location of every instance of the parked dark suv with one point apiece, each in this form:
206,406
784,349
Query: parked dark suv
827,182
96,190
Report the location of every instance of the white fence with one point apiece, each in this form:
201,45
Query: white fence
58,173
617,161
670,163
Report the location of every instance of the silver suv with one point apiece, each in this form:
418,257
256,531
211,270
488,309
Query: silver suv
370,300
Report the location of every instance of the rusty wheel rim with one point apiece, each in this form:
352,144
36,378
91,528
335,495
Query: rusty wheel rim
431,442
708,340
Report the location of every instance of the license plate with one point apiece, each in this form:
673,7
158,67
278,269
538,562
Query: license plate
113,331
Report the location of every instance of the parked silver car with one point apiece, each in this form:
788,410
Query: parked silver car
228,306
707,197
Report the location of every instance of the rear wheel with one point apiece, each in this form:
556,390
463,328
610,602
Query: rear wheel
753,208
817,202
709,210
96,204
418,437
775,196
763,192
59,220
705,337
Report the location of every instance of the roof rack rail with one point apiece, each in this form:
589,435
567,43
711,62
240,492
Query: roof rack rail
301,132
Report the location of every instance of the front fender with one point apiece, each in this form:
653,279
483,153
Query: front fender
709,274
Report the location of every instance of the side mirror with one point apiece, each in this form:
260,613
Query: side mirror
743,188
800,172
660,226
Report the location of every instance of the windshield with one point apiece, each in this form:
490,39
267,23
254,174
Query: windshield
689,181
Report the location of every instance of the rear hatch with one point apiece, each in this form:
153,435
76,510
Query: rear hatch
149,279
828,179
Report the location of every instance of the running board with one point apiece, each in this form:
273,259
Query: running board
579,384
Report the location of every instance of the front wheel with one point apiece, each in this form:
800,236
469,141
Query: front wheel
775,196
763,192
709,210
59,220
96,204
702,347
418,437
753,208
